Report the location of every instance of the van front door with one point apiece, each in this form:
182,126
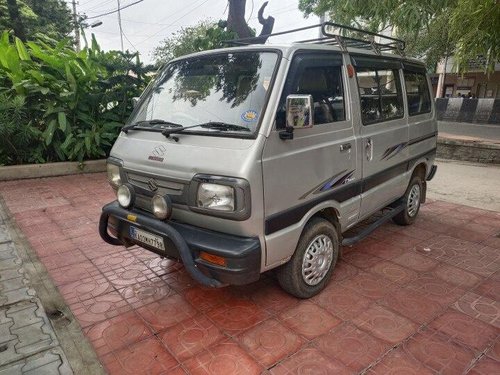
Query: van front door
319,163
384,132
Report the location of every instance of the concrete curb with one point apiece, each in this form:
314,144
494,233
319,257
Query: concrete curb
479,151
18,172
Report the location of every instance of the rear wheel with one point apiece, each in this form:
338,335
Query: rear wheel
311,266
413,198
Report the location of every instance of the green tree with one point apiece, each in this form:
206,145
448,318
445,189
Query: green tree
49,17
433,28
203,36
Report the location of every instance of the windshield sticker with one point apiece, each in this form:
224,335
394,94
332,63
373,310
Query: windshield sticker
249,116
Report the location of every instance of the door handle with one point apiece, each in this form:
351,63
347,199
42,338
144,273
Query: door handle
345,147
369,149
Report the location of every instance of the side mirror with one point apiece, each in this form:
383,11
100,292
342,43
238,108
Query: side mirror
135,101
299,111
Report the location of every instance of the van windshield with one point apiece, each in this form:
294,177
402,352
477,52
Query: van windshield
226,89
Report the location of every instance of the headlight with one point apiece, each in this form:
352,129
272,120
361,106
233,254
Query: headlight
114,175
125,195
215,197
162,206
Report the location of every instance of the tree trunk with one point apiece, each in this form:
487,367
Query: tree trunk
236,19
267,25
15,17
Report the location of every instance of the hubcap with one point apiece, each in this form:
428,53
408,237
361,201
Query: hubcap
317,259
413,200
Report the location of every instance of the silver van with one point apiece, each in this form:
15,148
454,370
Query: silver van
246,159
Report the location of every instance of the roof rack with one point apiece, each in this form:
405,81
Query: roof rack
342,36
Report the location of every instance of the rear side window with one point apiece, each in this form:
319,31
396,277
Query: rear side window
417,93
380,94
321,77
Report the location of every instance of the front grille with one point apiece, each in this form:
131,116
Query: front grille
175,189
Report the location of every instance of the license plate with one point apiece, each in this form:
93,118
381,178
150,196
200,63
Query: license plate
147,238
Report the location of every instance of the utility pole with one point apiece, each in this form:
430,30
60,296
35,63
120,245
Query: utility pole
77,27
120,23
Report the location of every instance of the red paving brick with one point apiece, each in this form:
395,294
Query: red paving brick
413,300
466,330
439,352
485,366
397,362
309,320
223,358
310,361
351,346
237,315
385,324
190,337
269,342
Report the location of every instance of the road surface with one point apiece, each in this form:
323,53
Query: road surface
471,184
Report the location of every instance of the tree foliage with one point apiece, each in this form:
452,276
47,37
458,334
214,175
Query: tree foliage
57,104
432,28
50,17
203,36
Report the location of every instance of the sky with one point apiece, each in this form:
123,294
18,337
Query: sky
146,24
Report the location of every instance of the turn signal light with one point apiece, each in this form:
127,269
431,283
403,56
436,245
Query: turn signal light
214,259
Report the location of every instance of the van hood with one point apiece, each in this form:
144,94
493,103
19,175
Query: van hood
153,153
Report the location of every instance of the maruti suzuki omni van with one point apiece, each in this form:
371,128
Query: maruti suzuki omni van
250,158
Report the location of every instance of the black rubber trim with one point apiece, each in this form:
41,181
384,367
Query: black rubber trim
284,219
243,254
422,138
432,172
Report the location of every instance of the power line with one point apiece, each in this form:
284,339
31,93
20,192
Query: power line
166,27
116,10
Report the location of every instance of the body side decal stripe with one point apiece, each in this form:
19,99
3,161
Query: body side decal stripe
290,216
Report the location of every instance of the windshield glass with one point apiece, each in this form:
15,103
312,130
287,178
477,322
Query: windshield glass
226,88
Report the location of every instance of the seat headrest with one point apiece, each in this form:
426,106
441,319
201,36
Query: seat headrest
312,80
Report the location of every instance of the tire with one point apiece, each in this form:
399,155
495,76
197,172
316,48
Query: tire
412,199
298,280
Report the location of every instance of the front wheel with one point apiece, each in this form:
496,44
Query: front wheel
311,266
412,198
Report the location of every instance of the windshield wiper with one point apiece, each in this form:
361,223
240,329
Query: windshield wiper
222,126
139,124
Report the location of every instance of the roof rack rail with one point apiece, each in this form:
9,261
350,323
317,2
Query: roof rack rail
358,38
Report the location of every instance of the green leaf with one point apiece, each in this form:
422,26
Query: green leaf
21,50
61,118
49,133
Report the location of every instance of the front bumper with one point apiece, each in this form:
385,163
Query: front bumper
184,242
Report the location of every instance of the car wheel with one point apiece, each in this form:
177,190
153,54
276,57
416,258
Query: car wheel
412,199
311,266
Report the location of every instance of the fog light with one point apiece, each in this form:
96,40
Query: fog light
162,206
125,195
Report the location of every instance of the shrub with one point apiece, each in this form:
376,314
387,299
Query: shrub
69,105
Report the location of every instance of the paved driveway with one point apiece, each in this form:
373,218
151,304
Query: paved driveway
422,299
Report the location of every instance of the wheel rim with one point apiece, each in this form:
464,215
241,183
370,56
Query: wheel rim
317,260
413,200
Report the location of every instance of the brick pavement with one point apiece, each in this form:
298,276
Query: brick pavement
419,300
28,344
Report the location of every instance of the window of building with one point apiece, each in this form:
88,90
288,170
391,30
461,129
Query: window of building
380,94
417,93
320,77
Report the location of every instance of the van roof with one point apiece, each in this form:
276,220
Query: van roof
288,49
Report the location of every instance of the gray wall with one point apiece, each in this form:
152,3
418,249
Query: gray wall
481,111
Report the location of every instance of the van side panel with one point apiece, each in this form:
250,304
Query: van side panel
384,131
317,169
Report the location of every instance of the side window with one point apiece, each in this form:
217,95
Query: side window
321,78
417,93
380,94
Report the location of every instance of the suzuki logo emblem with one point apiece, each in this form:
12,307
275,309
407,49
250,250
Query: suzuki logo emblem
153,186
